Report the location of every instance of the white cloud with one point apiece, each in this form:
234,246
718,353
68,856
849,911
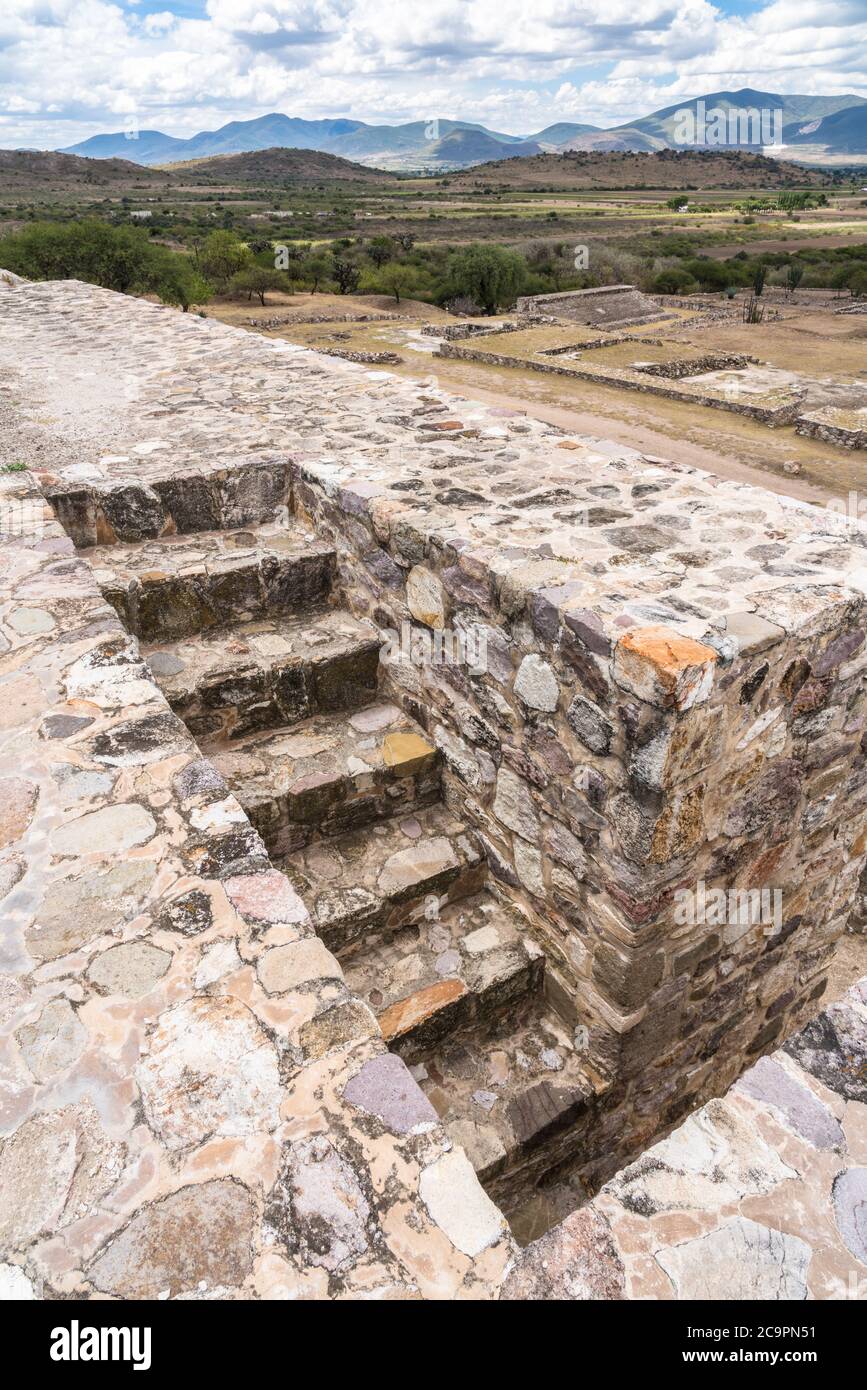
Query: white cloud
70,68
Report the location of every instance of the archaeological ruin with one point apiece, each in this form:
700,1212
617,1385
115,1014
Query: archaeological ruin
425,837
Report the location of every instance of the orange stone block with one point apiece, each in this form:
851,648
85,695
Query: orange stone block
660,666
412,1011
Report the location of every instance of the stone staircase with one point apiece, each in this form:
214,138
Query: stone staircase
281,688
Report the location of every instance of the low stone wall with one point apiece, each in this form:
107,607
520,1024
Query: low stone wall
454,332
845,428
694,366
321,318
632,380
370,358
610,339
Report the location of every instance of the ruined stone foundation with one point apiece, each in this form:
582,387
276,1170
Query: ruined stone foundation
412,813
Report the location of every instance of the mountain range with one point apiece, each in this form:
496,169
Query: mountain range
819,129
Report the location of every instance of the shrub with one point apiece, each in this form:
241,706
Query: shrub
678,281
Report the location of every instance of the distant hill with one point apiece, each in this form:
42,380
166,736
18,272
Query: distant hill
275,166
665,169
466,147
559,134
397,147
444,143
661,129
841,133
140,147
606,141
47,168
238,137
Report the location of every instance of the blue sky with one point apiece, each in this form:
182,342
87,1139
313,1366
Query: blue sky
73,68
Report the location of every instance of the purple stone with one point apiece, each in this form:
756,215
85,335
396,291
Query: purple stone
804,1112
385,1088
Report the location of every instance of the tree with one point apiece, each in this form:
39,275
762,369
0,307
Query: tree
380,250
257,279
491,275
406,241
858,284
222,256
346,274
176,279
396,279
759,281
118,258
316,268
674,281
115,257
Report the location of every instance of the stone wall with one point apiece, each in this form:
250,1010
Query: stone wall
759,1195
775,411
454,332
694,366
835,425
671,695
605,773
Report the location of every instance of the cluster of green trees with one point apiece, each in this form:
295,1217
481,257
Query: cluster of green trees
127,259
118,258
836,268
481,275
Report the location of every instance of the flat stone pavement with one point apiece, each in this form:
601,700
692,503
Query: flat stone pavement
112,388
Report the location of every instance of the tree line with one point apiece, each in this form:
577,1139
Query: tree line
481,277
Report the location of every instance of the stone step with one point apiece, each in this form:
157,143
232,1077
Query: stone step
258,488
267,673
382,877
329,775
516,1098
445,971
182,585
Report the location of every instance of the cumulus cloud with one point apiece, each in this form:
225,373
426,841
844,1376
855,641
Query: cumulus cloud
70,68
